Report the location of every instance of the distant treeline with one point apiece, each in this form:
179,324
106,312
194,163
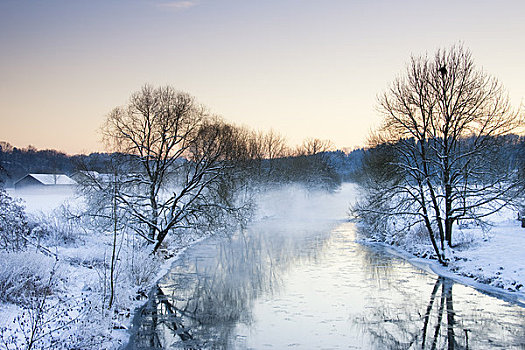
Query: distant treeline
16,162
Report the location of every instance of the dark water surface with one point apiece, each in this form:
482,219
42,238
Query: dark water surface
304,283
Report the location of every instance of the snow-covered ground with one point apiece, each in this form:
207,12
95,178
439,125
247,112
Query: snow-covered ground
490,258
498,260
76,312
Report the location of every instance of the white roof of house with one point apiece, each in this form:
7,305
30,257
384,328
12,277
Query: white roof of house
53,179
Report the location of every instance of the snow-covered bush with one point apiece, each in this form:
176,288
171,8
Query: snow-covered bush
24,275
134,270
141,267
54,229
377,225
57,323
58,228
13,223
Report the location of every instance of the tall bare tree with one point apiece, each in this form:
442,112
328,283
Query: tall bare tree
444,122
176,158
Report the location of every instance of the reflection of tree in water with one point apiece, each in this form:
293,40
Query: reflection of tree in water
378,266
210,292
200,302
437,325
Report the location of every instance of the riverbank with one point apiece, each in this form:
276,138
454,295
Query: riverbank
490,258
76,313
56,293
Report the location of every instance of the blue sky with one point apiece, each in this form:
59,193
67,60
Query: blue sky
306,68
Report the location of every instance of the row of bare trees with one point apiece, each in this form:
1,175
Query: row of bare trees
438,157
177,167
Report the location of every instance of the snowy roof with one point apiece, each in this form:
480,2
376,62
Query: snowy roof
53,179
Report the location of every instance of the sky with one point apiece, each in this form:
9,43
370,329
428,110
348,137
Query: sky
304,68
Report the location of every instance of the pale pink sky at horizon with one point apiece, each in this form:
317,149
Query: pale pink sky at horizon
306,68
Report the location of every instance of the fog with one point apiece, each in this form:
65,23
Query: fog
298,204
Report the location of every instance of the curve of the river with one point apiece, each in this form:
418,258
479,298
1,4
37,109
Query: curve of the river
303,282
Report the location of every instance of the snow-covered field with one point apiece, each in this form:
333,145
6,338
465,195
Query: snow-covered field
498,260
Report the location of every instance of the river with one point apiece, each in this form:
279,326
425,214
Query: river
298,279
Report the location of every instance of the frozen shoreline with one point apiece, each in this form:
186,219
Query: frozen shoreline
467,262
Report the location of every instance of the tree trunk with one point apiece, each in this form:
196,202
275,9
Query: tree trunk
160,239
448,211
447,289
114,248
448,231
154,214
433,240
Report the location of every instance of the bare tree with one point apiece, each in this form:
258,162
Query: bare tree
274,145
444,122
313,146
175,159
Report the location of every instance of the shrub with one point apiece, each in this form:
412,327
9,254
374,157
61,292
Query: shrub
141,266
55,229
13,223
25,275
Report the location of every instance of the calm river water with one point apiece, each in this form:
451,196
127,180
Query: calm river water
298,280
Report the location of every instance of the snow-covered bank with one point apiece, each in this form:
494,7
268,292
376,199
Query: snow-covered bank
57,297
93,325
490,259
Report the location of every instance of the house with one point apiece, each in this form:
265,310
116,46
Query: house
44,181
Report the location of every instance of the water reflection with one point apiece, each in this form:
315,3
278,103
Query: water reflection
392,329
311,286
212,290
443,322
